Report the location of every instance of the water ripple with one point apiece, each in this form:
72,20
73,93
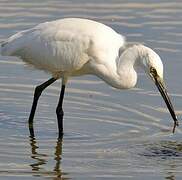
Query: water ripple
108,133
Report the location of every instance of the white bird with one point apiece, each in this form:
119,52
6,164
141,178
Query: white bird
74,47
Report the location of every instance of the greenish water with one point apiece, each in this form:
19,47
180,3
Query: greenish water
109,134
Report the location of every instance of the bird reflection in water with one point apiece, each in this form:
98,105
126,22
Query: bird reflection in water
170,177
41,159
58,153
171,174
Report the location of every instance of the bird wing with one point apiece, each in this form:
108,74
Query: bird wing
49,49
64,45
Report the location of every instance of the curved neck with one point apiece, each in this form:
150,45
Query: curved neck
127,65
121,71
131,55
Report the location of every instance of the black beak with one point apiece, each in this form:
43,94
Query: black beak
161,87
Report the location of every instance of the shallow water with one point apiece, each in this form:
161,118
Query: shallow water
109,134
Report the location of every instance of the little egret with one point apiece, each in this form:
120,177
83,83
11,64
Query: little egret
74,47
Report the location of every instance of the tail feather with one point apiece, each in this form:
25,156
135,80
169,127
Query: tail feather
2,44
3,47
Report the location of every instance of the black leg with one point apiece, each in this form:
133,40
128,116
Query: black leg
60,113
37,93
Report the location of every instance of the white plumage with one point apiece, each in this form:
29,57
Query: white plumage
73,46
65,45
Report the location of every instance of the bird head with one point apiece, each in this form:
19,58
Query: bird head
153,66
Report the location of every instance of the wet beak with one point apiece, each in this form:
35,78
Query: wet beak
162,89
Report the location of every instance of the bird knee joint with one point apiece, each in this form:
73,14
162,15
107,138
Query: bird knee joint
59,111
38,91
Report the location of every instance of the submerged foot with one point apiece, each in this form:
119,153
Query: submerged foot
31,130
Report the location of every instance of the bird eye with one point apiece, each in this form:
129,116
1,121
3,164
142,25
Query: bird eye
153,71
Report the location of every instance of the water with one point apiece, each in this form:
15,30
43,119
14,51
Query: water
109,134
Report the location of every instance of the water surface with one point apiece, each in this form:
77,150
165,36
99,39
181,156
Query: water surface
109,134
